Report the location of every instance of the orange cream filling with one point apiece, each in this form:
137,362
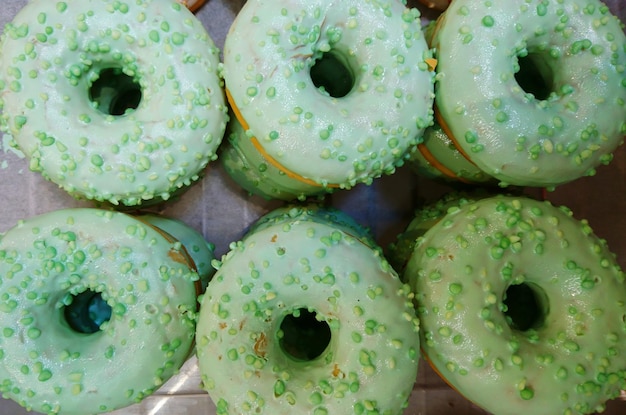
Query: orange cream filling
444,126
430,158
192,5
265,154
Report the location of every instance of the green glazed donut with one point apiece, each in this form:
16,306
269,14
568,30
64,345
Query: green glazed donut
116,101
519,300
97,310
304,315
533,93
331,94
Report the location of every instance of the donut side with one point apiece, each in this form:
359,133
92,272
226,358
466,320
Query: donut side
258,175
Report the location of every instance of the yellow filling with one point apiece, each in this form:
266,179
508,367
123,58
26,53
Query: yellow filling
430,158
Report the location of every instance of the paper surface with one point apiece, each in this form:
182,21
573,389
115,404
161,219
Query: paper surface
222,212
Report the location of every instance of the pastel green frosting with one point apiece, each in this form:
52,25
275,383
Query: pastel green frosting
519,131
67,71
331,139
307,259
46,263
563,354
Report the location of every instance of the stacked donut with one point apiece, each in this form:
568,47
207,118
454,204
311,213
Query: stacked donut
324,95
530,95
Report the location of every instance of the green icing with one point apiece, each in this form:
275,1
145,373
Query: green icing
529,306
534,95
138,80
315,67
86,297
293,331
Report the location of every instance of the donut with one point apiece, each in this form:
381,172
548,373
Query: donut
304,315
332,95
201,251
532,94
113,101
518,299
97,310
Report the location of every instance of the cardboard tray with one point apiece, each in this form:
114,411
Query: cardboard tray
222,212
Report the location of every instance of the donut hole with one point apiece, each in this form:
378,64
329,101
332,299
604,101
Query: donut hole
535,75
525,306
115,93
332,74
303,336
86,312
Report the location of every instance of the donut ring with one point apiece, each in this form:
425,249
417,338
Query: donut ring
311,85
58,267
523,132
116,102
317,265
473,270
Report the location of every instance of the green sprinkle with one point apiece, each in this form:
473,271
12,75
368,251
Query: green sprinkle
97,160
542,9
44,375
455,288
178,39
488,21
526,394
